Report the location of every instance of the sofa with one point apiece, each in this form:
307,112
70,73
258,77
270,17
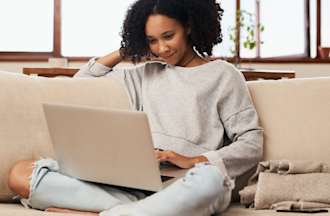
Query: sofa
295,114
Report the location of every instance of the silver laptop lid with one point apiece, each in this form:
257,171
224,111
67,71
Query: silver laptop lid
103,145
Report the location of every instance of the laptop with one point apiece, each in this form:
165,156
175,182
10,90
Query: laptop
107,146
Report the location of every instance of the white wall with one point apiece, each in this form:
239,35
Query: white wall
302,70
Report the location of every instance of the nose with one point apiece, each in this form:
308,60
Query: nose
163,48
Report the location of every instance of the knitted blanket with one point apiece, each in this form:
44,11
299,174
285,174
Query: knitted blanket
288,185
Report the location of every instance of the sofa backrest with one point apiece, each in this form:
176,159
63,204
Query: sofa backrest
295,115
23,129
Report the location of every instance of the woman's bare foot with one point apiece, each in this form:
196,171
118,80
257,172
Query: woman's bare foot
61,210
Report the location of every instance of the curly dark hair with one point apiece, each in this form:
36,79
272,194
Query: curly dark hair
203,17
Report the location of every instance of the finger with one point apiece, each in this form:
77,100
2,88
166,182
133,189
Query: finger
172,160
162,159
158,154
170,155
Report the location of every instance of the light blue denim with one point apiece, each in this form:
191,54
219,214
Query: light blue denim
200,192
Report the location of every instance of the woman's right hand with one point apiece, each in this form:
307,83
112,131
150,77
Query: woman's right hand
111,59
179,160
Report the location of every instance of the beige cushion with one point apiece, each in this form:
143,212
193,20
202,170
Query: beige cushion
23,130
296,117
239,210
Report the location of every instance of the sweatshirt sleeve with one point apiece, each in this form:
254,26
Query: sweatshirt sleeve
241,124
130,76
93,69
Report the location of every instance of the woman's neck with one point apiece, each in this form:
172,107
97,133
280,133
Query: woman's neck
192,60
188,60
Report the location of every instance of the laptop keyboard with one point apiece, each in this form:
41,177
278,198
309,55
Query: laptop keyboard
165,178
163,165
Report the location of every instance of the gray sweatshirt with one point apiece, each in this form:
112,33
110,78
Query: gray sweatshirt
192,110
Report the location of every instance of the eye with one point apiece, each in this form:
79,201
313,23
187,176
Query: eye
169,36
151,41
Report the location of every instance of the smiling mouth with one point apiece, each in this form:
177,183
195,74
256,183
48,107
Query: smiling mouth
167,57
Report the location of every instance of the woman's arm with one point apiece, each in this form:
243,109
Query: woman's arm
245,149
241,124
111,59
97,67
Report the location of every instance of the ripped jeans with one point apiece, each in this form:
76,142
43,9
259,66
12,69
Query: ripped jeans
202,191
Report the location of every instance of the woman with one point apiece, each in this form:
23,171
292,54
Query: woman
192,104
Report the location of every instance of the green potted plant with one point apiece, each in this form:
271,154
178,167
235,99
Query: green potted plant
245,32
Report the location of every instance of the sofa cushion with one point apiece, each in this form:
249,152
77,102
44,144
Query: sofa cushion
23,129
295,115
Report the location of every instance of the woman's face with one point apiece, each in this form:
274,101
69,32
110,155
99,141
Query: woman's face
167,39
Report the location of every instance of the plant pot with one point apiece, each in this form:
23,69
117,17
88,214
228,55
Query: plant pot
324,52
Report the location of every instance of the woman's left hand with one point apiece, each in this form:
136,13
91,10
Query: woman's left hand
179,160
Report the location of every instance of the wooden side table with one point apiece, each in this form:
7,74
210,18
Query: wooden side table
256,74
51,71
249,74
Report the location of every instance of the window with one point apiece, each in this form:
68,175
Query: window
289,28
313,28
39,29
25,27
86,32
228,21
325,23
247,5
